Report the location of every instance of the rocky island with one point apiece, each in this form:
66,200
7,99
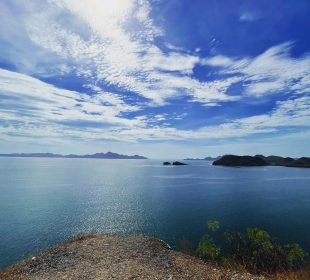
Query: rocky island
260,160
232,160
174,163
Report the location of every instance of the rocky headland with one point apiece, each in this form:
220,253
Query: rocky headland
260,160
117,257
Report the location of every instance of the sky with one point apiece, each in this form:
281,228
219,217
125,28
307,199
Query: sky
159,78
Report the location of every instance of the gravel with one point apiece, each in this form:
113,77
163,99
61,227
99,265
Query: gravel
117,257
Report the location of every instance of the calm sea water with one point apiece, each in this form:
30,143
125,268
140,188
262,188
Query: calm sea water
45,201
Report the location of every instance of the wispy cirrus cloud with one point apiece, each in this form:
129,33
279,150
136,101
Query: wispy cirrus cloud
26,112
273,71
248,16
115,46
30,100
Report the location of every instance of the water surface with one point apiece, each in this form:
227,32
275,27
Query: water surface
44,201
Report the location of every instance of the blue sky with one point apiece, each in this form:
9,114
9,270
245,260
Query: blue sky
171,78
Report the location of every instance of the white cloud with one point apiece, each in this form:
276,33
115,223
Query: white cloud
290,114
33,109
218,60
27,99
273,71
114,44
248,16
20,52
210,93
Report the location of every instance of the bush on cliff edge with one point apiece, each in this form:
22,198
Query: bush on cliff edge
254,250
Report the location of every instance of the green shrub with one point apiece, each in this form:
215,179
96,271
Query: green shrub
259,252
295,256
254,250
236,246
213,225
207,249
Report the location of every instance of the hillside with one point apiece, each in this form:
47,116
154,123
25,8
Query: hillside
117,257
108,155
260,160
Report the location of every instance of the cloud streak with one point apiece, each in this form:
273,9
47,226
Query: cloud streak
27,112
273,71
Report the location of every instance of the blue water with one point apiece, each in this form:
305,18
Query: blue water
45,201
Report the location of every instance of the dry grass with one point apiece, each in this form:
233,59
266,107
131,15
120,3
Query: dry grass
303,274
14,272
80,238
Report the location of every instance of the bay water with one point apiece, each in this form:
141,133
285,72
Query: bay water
44,201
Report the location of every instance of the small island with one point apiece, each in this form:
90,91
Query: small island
176,163
260,160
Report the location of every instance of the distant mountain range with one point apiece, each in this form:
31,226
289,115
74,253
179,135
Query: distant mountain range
206,158
108,155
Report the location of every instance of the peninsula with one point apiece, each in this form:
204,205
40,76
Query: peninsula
260,160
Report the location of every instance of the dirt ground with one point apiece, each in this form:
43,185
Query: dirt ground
117,257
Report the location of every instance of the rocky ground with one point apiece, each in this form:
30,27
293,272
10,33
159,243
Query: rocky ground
117,257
